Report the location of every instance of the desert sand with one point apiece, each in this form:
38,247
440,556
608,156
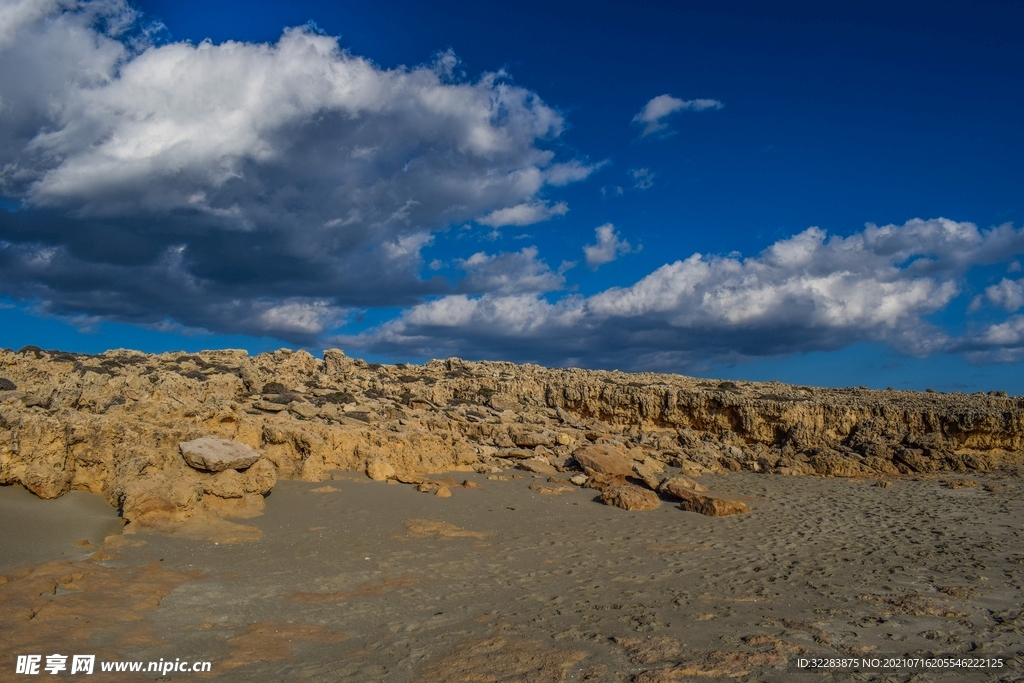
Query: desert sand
359,580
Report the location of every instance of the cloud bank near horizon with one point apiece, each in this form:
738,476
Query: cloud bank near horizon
809,292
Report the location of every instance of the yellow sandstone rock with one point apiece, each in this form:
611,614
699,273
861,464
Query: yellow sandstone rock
112,424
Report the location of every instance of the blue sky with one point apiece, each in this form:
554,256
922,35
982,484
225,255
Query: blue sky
822,196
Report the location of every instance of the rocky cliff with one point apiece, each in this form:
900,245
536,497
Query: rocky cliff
112,423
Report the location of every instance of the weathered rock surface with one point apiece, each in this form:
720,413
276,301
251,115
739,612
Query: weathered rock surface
216,455
650,472
536,466
111,424
680,486
629,497
603,459
380,470
709,505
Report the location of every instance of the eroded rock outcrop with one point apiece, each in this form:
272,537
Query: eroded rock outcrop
112,423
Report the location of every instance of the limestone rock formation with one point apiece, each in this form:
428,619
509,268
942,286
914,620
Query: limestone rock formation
111,423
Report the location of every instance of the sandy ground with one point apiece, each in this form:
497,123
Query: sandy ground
365,581
67,528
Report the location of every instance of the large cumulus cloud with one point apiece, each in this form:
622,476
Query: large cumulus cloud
808,292
256,188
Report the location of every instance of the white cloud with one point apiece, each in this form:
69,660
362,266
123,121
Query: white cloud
458,323
1007,333
524,214
306,318
288,172
608,248
509,273
999,343
643,178
808,292
570,172
407,247
208,113
652,116
16,14
1008,294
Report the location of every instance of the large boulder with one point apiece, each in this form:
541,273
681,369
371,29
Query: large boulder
604,459
629,497
380,470
216,455
176,494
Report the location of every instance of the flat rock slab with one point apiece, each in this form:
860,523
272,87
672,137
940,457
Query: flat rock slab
536,466
709,505
533,439
268,406
685,484
216,455
303,409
